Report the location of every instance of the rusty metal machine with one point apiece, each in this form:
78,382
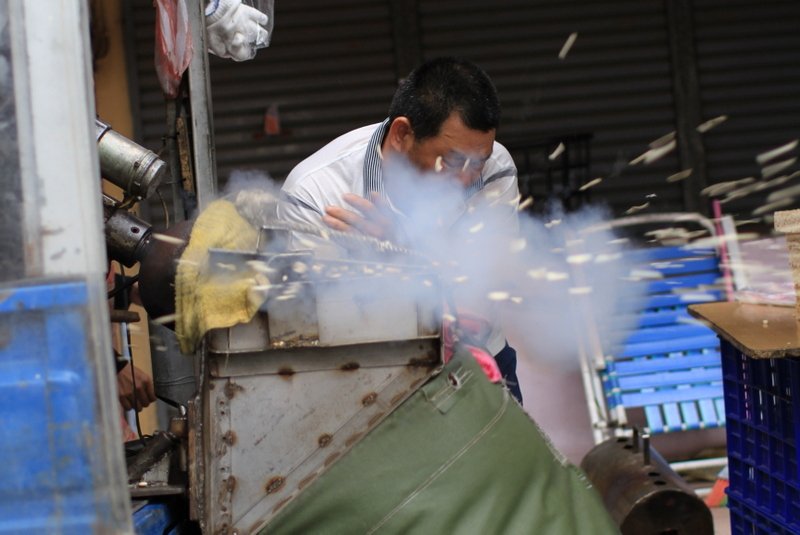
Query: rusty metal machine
335,347
642,492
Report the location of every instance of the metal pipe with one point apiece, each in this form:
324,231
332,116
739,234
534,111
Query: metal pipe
135,169
127,236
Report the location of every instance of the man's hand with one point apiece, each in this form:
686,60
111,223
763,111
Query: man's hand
373,217
144,394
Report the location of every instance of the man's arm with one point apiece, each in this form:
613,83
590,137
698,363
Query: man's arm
294,211
135,388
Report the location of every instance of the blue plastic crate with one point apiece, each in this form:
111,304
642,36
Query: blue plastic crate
762,404
54,479
746,521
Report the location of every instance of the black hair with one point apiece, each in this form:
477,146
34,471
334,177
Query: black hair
437,88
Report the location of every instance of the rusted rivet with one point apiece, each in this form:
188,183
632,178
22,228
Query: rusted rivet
275,484
281,504
332,457
353,439
396,399
350,366
369,399
231,389
324,440
286,371
229,438
375,419
306,481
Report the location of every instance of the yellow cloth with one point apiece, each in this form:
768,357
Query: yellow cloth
205,301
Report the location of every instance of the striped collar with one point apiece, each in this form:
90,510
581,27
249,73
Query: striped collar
373,170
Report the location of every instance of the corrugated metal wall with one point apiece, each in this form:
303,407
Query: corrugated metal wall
614,83
332,67
749,63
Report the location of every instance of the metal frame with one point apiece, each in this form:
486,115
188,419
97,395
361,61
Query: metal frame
607,423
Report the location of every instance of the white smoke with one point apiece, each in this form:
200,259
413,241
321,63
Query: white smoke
552,284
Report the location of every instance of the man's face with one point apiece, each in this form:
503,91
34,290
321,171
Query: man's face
457,151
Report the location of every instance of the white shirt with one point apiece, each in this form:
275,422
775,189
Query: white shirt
350,164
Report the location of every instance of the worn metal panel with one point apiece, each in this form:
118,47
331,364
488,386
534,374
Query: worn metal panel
12,248
272,433
749,63
614,83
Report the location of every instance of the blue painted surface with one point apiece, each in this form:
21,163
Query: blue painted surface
48,443
668,365
153,519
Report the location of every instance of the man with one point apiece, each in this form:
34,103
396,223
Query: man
442,120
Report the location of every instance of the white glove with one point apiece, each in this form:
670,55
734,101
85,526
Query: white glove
234,30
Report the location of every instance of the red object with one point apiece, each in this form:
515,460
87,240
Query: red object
473,327
272,121
173,44
717,496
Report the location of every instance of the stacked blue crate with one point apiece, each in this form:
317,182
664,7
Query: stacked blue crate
53,477
762,402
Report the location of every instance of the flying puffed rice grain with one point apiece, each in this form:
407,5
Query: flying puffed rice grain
680,175
580,290
711,123
636,208
577,259
663,140
524,204
227,267
162,320
567,45
259,266
556,153
168,239
540,273
724,187
498,296
437,165
655,154
554,276
775,168
773,206
590,184
766,156
476,228
607,257
517,245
